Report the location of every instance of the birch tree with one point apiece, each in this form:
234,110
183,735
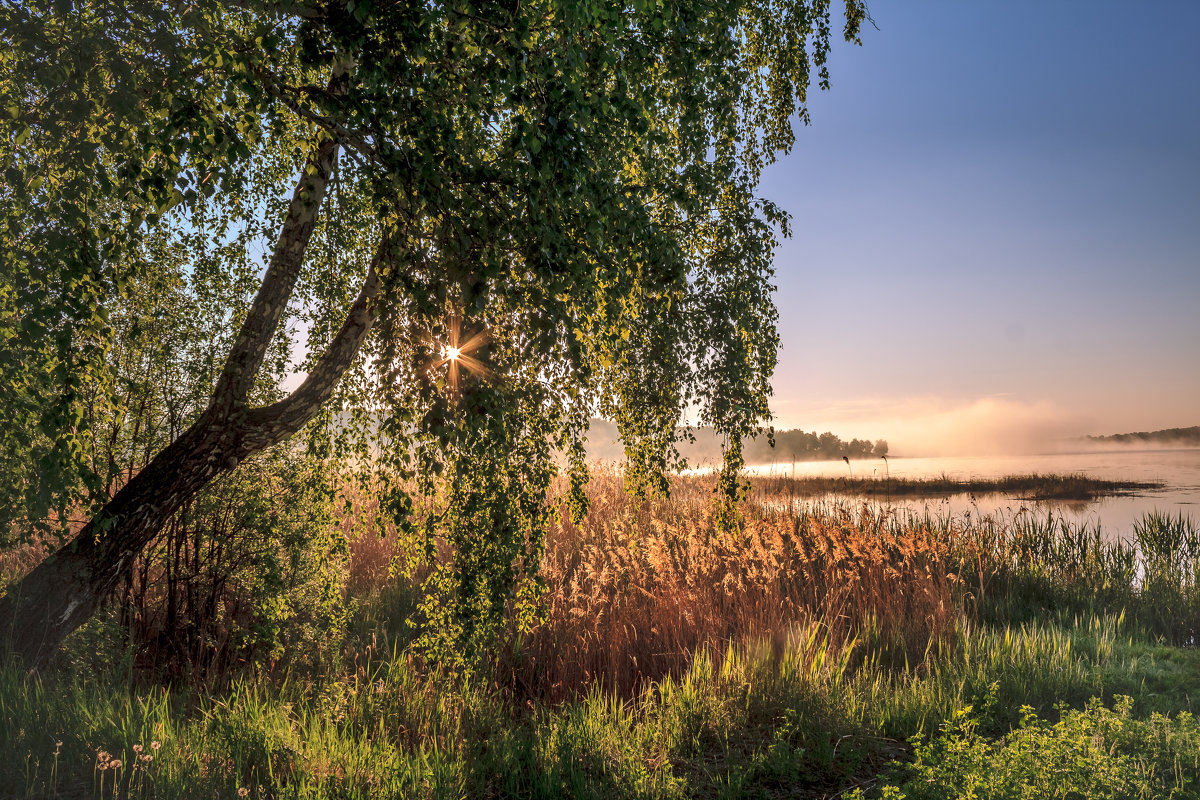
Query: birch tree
490,220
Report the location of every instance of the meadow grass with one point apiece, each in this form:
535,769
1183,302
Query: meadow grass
823,649
807,720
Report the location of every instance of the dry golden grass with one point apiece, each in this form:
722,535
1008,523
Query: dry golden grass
372,543
17,561
640,587
19,557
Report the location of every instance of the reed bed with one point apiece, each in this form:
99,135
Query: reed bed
1033,486
1029,566
642,586
637,589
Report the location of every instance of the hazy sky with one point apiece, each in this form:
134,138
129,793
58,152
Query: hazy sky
997,227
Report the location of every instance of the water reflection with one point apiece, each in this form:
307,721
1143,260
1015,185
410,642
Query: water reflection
1179,470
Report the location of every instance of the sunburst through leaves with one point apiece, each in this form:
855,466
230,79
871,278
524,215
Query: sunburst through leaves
455,354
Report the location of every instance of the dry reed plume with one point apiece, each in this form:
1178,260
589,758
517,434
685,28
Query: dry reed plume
640,587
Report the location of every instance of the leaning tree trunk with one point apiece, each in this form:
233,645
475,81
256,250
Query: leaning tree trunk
62,592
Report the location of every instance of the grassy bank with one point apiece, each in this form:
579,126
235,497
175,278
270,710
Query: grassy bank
820,651
809,721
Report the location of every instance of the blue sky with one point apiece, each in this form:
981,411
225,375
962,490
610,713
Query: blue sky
997,227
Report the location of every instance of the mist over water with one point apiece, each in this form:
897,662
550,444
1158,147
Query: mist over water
989,426
996,425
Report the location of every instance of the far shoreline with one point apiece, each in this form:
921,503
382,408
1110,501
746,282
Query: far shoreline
1031,486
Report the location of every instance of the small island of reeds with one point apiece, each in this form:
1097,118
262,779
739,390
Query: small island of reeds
1033,486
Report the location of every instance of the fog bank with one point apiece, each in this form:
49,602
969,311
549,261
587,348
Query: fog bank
994,425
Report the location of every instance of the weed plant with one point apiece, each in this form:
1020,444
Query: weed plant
1099,752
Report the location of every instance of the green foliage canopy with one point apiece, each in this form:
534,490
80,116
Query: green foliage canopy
568,187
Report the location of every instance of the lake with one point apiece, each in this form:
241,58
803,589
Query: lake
1179,470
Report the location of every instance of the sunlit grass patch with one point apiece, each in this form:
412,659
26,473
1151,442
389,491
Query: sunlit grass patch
762,717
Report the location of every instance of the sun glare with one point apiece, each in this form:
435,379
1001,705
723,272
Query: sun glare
456,355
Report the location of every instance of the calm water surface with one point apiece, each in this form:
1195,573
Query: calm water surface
1178,469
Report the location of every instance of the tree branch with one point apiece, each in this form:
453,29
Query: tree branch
353,139
265,312
286,8
270,424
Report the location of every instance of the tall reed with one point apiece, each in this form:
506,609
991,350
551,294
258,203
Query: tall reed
636,590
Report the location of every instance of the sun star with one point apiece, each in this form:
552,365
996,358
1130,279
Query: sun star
457,355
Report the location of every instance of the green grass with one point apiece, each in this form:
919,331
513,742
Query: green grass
752,721
1070,669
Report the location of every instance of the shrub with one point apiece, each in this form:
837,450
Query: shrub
1097,752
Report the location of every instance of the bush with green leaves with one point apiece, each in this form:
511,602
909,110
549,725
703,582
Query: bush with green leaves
1098,752
250,572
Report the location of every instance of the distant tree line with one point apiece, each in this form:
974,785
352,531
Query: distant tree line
1186,437
805,446
790,444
